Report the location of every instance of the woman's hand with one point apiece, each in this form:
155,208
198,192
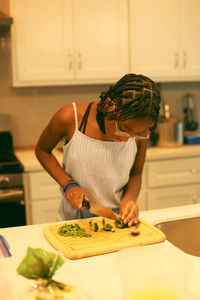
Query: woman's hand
75,196
129,211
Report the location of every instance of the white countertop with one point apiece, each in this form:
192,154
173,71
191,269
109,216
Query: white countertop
30,162
97,275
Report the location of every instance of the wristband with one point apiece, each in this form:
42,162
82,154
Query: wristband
69,187
68,183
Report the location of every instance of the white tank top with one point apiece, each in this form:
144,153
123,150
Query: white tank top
101,168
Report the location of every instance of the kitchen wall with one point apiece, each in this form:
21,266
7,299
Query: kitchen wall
31,108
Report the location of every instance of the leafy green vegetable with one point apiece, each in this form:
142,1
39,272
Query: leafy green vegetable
107,227
73,230
120,224
39,263
94,226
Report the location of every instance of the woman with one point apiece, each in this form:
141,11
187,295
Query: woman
105,148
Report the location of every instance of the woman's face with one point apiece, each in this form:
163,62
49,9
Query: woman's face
122,130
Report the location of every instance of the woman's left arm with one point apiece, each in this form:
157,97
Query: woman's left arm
128,207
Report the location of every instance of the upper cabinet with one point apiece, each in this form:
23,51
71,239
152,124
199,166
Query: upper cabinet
165,39
69,41
66,42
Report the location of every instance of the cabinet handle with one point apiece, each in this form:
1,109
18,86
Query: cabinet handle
176,61
193,171
194,198
70,60
184,59
79,59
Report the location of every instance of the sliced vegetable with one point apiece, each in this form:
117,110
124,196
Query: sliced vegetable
73,230
94,226
120,224
107,227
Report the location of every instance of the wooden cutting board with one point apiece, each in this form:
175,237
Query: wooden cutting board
101,242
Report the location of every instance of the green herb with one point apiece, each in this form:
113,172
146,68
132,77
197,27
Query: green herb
120,224
107,227
94,226
73,230
41,265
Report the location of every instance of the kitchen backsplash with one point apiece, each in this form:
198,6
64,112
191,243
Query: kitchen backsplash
31,108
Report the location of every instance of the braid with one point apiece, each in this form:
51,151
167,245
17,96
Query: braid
134,96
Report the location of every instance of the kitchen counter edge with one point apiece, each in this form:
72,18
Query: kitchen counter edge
30,162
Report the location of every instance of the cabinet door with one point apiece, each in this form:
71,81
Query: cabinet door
43,186
142,202
154,38
101,39
190,38
44,211
41,42
173,196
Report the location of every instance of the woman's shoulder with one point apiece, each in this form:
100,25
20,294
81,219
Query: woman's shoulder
81,108
66,113
69,109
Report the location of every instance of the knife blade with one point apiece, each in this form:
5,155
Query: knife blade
100,210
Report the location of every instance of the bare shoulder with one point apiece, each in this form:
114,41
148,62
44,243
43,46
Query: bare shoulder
66,113
64,118
81,108
62,121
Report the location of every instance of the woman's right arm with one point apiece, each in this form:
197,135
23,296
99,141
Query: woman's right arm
62,124
51,135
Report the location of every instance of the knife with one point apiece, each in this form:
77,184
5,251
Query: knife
99,210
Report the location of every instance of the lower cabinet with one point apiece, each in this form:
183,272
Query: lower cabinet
173,196
44,211
44,197
172,182
142,200
165,183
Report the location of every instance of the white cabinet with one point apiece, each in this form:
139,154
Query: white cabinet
142,200
173,172
172,182
69,41
44,211
165,39
166,182
173,196
189,39
44,197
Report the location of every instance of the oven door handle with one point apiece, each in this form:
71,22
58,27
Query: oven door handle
11,195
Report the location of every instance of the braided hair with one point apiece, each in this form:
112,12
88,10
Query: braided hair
134,96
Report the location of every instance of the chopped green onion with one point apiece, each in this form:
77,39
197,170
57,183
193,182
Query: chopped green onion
73,230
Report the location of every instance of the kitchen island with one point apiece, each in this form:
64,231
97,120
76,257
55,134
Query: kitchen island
98,276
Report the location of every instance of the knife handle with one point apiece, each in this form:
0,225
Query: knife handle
86,204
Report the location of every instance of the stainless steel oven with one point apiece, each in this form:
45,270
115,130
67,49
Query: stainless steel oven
12,201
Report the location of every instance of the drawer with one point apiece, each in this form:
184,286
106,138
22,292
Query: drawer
43,186
173,196
173,172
